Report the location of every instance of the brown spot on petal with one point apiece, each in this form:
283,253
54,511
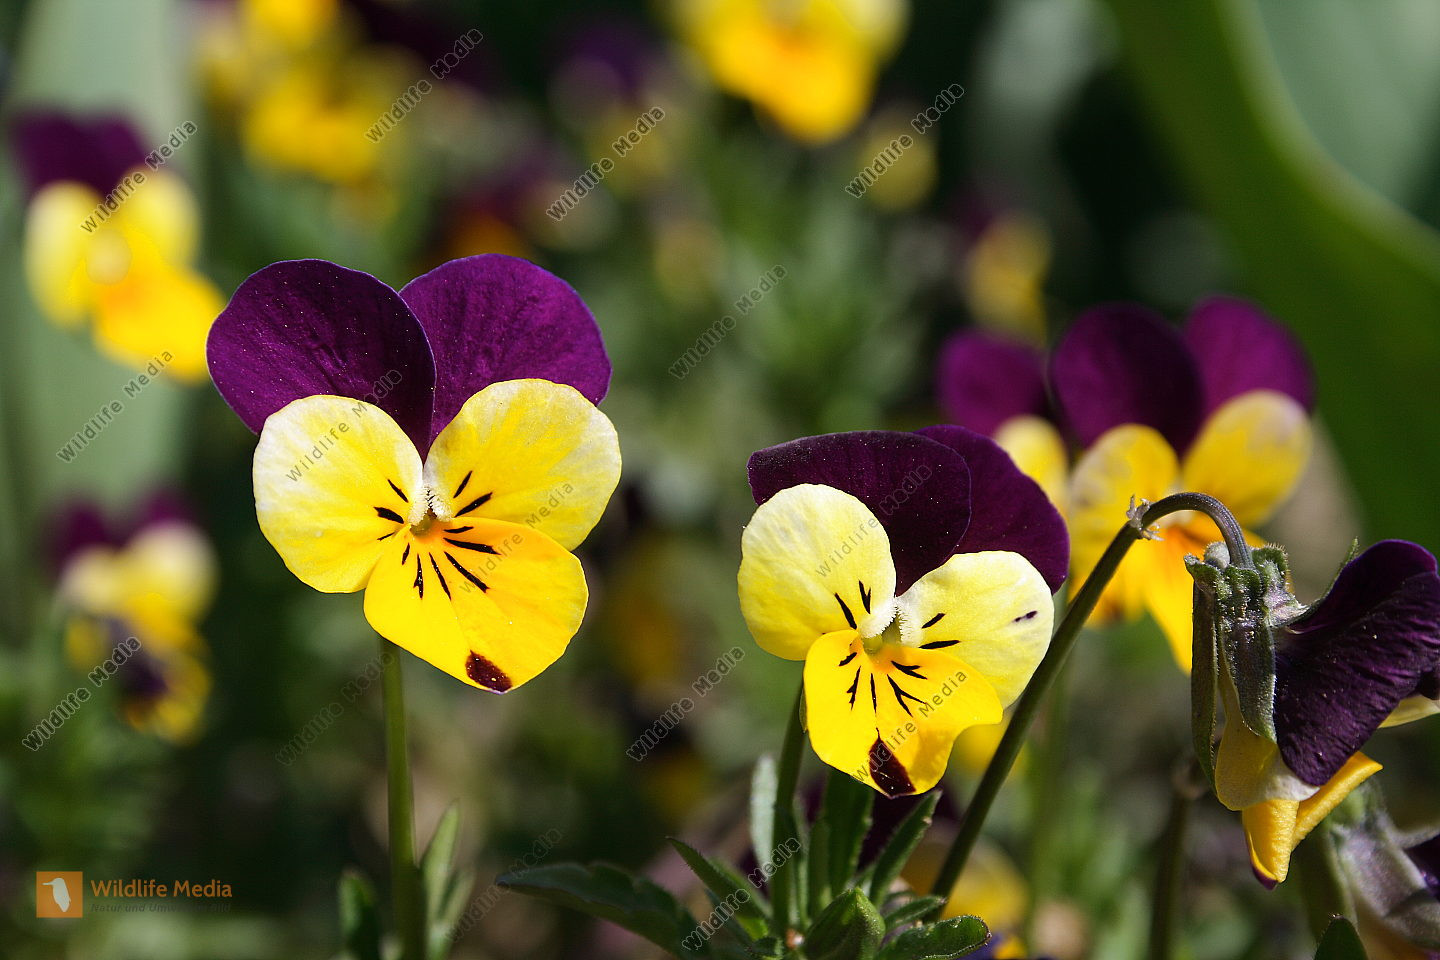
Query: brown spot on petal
486,674
889,773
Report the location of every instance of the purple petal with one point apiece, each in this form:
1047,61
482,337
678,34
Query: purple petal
492,318
97,151
305,327
1008,510
1239,349
78,525
917,488
1343,666
1426,857
983,380
1122,363
162,506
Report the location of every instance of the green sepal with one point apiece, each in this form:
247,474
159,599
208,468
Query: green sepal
938,941
909,911
726,885
1203,664
611,893
360,931
902,843
850,928
1341,942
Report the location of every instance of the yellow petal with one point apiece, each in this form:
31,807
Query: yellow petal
1249,770
1270,836
890,718
157,317
1130,461
162,211
814,560
1250,454
1169,588
1411,709
991,609
530,452
56,248
170,567
490,603
1039,451
324,469
1274,828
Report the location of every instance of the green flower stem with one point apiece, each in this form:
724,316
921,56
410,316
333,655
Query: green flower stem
404,875
1083,604
1317,866
1165,909
783,823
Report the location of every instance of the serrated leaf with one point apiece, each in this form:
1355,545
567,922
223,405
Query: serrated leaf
911,911
938,941
850,928
1340,942
610,893
435,862
763,784
901,844
770,948
727,886
359,918
846,808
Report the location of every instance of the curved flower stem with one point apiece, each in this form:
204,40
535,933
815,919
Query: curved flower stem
404,876
783,824
1165,907
1083,604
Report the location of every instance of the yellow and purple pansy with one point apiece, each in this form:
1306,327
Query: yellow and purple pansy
913,573
1221,407
110,240
1353,662
151,583
438,447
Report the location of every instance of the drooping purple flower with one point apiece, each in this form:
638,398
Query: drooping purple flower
1344,665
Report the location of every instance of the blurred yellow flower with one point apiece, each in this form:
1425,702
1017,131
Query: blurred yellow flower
809,65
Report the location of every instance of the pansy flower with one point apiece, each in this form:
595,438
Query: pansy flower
809,66
1221,408
913,574
112,241
141,593
1305,688
438,448
1395,879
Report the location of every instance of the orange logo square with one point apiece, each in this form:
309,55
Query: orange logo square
59,894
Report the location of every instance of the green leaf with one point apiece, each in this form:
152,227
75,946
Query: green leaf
610,893
771,948
910,911
849,929
726,886
1340,942
1355,276
817,866
763,783
846,808
938,941
359,918
435,862
901,844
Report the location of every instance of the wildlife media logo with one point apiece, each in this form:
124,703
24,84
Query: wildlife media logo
59,894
